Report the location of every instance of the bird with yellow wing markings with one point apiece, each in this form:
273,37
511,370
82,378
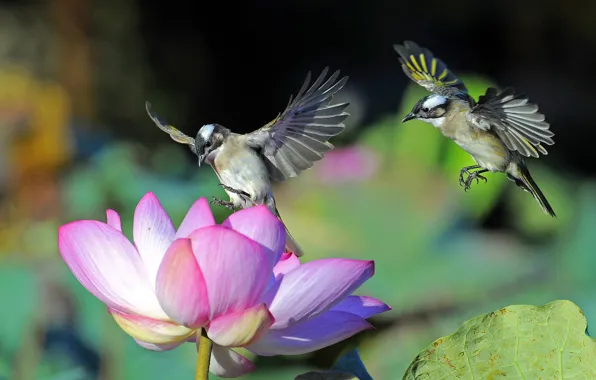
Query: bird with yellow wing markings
499,130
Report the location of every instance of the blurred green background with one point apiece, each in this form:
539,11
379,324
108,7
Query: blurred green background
75,140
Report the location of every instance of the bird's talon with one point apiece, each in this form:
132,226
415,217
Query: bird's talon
471,177
235,191
219,202
463,171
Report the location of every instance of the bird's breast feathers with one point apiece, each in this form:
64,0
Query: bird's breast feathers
242,169
452,125
486,149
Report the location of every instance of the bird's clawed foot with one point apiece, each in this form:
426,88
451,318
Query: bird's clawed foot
219,202
235,191
471,176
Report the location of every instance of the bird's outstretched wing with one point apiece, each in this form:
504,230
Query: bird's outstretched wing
299,135
174,133
421,66
516,121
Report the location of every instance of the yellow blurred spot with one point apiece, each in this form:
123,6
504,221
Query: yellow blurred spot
47,143
34,117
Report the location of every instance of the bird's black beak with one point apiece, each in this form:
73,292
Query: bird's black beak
409,116
201,159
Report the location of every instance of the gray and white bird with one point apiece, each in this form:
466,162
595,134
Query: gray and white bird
246,164
499,131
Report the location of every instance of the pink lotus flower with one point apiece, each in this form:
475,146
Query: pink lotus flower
228,279
312,305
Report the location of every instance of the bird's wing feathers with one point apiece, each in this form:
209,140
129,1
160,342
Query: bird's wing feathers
174,133
299,135
421,66
516,121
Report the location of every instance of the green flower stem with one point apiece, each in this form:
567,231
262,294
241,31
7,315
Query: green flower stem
204,346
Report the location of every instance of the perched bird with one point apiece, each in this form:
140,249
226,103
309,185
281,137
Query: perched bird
245,164
499,131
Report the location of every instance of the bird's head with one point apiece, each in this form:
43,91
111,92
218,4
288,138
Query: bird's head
209,138
430,109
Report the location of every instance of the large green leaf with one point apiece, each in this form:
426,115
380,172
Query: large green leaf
391,352
520,341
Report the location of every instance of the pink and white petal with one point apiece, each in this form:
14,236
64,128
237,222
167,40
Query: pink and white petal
228,363
198,216
113,220
153,233
108,266
180,286
311,335
235,268
158,347
240,328
151,330
315,287
362,306
286,263
260,225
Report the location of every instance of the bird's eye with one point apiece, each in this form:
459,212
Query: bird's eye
425,109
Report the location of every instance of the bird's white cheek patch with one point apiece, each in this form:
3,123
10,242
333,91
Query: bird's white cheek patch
437,123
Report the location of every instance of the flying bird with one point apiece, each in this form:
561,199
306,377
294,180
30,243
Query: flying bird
499,131
246,164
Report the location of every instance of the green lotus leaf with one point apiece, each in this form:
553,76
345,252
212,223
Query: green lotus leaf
516,342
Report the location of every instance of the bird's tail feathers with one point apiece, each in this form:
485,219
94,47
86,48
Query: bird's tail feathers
523,179
291,244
